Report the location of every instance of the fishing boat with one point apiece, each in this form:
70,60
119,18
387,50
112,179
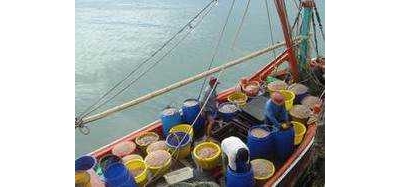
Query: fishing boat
294,65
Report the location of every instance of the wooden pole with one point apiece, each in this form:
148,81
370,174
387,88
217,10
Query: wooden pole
181,83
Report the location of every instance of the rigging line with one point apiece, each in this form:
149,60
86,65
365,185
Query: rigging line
297,18
298,25
153,65
241,24
285,8
315,35
319,22
270,27
148,58
297,5
217,46
155,176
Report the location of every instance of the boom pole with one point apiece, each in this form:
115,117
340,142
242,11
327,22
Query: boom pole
182,83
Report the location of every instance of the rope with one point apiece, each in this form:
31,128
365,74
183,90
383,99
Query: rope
296,8
297,18
270,27
84,113
241,24
295,4
153,65
315,35
217,46
82,127
319,22
195,120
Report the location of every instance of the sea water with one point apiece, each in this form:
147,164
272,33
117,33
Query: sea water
112,37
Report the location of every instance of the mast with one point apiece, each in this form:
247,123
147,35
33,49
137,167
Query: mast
280,7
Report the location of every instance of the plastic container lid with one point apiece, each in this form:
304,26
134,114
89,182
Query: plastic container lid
124,148
84,163
190,103
169,111
116,171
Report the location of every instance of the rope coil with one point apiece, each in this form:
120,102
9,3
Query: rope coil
81,127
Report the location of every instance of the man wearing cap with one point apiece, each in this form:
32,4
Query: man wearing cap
275,112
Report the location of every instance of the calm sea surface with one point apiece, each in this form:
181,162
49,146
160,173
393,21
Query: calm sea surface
112,37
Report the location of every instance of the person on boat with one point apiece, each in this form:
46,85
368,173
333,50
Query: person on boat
210,108
275,112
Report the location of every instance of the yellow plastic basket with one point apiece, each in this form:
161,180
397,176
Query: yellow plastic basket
289,98
82,178
130,157
238,98
299,131
207,163
143,147
182,128
140,179
160,170
261,180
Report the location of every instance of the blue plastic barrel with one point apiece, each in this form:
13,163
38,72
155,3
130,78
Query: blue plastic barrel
234,179
84,163
169,118
284,143
190,109
262,147
117,175
108,159
227,115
